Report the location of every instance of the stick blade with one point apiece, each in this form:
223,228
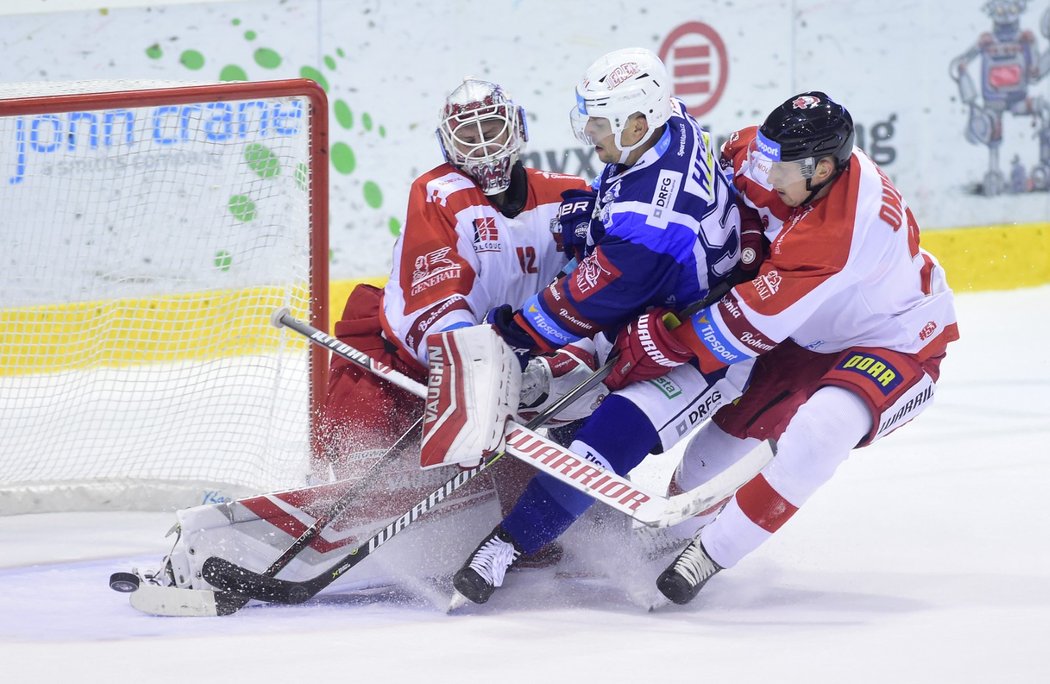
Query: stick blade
175,602
241,582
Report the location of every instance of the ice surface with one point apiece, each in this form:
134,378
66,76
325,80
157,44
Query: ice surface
926,559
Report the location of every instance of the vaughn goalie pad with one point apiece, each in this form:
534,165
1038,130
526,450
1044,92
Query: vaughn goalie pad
253,531
472,391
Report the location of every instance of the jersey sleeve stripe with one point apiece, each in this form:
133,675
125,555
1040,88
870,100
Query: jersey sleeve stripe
543,326
704,334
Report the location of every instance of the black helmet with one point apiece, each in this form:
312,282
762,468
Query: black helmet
811,125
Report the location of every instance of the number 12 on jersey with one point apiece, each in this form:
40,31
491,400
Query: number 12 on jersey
527,259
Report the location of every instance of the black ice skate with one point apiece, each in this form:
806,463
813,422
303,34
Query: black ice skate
683,579
544,558
485,568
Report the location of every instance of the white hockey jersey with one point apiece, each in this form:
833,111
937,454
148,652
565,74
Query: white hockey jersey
459,257
845,271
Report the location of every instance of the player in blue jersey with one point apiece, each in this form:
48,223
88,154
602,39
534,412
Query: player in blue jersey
659,228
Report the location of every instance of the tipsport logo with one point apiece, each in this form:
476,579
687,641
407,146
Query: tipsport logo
768,147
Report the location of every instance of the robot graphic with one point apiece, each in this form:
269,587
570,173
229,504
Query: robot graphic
1010,64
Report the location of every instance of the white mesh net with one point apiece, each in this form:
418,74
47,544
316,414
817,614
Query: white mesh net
145,247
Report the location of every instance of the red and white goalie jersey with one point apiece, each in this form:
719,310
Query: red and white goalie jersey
846,271
458,257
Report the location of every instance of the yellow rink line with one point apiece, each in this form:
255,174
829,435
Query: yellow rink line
119,332
1002,257
187,327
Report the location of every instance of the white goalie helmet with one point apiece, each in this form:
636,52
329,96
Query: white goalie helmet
619,84
482,133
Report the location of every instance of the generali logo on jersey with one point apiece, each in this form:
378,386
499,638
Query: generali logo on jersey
439,189
432,268
767,285
486,235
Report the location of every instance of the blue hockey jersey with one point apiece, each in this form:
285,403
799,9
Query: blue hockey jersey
671,233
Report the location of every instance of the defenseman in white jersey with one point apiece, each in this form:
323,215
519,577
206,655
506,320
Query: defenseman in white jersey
849,319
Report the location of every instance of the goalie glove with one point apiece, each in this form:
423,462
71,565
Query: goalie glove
472,389
550,377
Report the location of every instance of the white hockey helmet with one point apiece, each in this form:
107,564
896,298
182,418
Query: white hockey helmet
482,133
618,85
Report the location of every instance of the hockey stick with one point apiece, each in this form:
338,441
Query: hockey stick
333,512
241,582
180,601
522,443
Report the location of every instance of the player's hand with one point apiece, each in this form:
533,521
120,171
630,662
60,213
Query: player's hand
753,245
549,377
503,320
644,350
574,217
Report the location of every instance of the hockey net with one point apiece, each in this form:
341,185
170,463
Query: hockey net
150,229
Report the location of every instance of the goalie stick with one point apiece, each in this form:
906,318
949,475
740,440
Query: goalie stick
184,602
522,443
239,581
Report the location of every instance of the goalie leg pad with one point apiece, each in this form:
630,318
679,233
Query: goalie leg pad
472,389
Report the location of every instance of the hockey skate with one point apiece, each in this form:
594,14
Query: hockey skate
548,556
686,576
486,567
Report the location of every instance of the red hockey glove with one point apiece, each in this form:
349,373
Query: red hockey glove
753,246
645,350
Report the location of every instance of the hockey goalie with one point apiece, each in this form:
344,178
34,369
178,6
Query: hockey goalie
487,243
475,389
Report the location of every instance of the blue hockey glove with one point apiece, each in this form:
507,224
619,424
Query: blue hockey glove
575,217
502,319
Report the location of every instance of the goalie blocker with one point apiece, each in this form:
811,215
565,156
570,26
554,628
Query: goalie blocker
472,391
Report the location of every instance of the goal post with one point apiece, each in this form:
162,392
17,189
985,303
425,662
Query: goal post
149,231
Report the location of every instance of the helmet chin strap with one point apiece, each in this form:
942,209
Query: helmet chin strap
625,152
814,189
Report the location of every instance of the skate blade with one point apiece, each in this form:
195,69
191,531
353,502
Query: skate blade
651,600
458,601
174,602
658,603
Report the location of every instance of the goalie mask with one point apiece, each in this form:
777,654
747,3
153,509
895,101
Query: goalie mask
617,86
482,133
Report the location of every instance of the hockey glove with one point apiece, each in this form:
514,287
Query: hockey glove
574,217
644,350
472,389
503,320
753,245
550,377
